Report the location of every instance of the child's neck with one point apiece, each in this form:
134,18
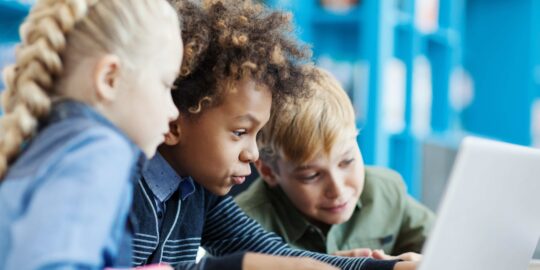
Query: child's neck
323,227
168,154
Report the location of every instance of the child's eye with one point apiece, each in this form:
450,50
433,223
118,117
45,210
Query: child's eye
346,162
309,177
239,132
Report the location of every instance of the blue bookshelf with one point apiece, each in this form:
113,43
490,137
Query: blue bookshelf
497,55
12,14
484,74
373,33
495,43
362,37
323,17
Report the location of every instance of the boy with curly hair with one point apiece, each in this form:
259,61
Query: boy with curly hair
239,62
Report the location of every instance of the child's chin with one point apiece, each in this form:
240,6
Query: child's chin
339,218
336,220
220,191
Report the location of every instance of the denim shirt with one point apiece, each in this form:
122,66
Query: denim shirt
64,202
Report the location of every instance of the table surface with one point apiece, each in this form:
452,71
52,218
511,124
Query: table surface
535,265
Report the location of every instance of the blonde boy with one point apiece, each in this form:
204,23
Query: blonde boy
315,191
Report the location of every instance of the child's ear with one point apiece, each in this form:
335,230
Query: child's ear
267,173
106,77
173,136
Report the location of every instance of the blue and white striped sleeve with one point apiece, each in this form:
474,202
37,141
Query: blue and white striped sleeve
228,230
231,261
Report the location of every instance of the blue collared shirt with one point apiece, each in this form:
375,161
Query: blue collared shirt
163,181
65,200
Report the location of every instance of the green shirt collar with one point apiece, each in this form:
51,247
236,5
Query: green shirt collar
296,223
385,218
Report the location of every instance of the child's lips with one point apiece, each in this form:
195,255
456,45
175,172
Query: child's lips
336,208
237,180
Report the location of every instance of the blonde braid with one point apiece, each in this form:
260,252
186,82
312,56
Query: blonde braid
29,81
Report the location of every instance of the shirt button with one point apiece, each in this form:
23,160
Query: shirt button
160,214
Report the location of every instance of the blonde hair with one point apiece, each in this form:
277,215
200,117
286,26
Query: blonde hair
301,129
60,31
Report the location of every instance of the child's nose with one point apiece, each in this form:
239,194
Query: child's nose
334,188
250,154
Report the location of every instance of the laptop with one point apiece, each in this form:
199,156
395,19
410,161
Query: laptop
489,217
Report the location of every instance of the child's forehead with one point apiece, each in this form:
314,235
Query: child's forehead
232,86
244,92
243,101
344,146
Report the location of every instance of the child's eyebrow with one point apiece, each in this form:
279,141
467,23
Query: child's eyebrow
347,152
248,117
303,167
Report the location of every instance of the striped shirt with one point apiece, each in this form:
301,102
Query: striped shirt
200,218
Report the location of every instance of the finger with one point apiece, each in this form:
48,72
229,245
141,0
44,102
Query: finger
410,256
160,266
312,264
357,252
361,252
380,255
343,253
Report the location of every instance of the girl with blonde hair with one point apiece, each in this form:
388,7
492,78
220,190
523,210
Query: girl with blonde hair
87,100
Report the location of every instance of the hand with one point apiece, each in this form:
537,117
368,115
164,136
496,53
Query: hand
160,266
356,252
408,256
268,262
406,266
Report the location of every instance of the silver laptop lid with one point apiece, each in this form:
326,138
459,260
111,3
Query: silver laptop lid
490,214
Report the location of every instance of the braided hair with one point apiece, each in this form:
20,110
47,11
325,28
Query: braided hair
54,32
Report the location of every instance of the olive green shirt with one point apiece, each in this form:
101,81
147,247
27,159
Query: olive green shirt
385,217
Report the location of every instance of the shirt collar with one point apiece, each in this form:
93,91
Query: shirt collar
294,221
359,203
163,180
65,108
68,108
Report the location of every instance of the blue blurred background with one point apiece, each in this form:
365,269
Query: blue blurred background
421,74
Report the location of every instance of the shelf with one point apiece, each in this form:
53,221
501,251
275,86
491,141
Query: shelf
445,37
324,16
12,14
448,139
9,7
355,15
402,20
536,74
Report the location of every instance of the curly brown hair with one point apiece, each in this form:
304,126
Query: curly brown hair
227,40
